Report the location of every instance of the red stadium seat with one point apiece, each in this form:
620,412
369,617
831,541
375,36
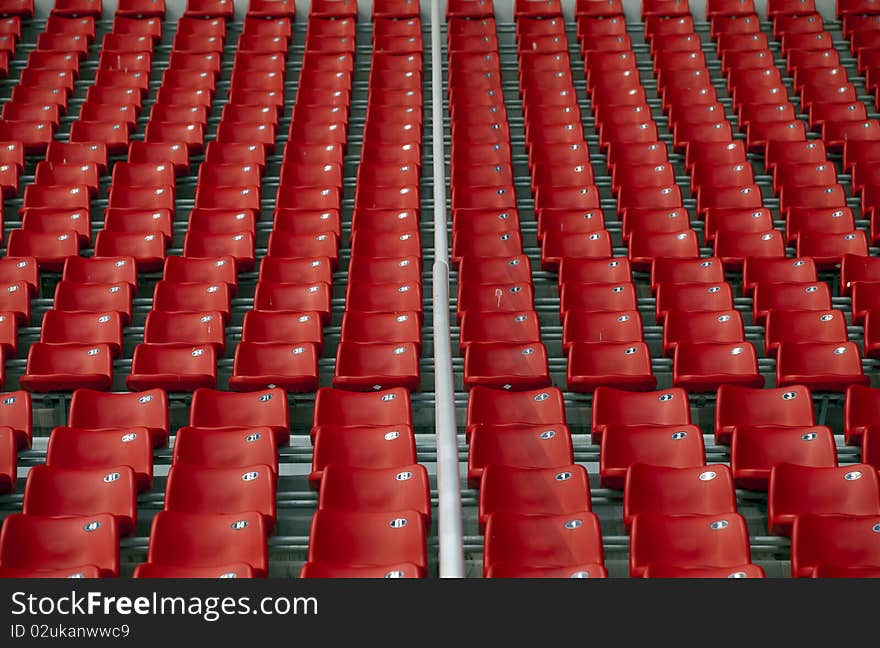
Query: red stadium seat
389,446
504,366
103,270
820,365
702,367
54,491
795,490
192,297
542,541
279,326
662,490
173,367
175,327
82,449
841,541
694,540
371,539
212,408
376,490
689,327
803,326
66,367
560,490
259,365
60,327
738,406
675,446
756,449
618,365
95,298
222,491
196,540
226,447
94,410
36,544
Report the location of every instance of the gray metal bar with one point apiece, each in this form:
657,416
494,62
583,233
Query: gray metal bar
451,544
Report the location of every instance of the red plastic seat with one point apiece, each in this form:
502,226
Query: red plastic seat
372,446
222,491
620,408
304,246
678,271
563,490
542,541
768,270
594,326
702,367
258,365
796,490
94,410
208,540
36,544
803,326
83,449
741,406
294,297
828,249
789,296
644,247
559,245
375,490
376,366
190,134
196,328
395,326
843,542
173,367
66,367
495,406
696,490
192,297
46,220
210,270
53,491
60,327
288,327
55,173
505,366
95,298
688,541
692,297
212,408
280,270
174,153
674,446
370,539
383,297
587,270
619,365
520,445
756,449
597,297
820,365
226,447
148,249
699,327
340,409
